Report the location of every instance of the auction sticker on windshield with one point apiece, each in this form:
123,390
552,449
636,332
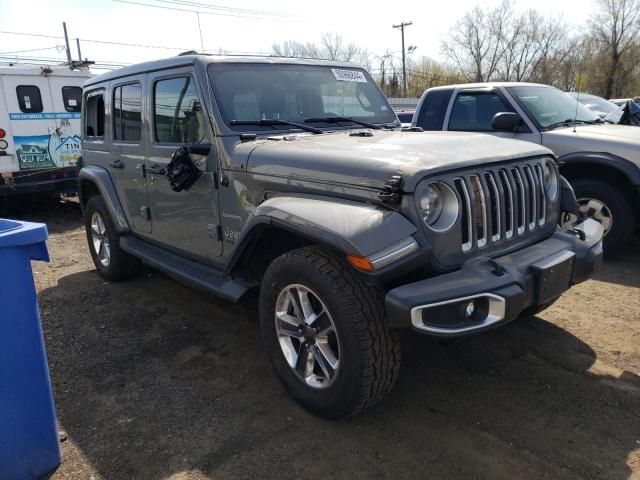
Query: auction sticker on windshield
349,75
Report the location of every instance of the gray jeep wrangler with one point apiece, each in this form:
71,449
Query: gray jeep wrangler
292,176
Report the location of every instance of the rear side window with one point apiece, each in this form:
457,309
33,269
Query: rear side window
94,115
72,98
474,111
433,109
29,98
127,116
178,114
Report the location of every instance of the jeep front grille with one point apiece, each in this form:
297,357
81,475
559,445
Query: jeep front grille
500,204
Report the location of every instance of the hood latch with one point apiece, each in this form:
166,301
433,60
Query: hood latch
392,192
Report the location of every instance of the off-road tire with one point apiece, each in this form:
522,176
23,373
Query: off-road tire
370,351
624,218
121,265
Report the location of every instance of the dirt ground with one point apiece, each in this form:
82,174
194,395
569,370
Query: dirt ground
155,381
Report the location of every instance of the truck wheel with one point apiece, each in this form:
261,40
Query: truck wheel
603,202
111,262
326,333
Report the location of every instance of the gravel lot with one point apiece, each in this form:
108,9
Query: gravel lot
153,380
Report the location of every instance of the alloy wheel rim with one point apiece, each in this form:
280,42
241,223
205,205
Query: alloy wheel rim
100,240
593,208
307,336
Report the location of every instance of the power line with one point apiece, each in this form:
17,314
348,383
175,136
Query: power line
187,3
106,42
219,14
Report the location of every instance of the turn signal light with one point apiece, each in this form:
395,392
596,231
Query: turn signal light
361,263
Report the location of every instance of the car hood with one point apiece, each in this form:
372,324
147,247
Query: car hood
368,161
620,140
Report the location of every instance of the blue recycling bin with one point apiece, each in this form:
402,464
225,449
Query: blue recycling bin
29,447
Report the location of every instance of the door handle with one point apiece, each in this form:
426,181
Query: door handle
155,170
117,163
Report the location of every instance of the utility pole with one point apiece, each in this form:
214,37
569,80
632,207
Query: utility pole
66,41
404,66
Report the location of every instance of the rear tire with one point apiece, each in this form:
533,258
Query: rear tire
364,352
112,263
615,205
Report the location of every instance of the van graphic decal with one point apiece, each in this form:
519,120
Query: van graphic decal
47,151
44,116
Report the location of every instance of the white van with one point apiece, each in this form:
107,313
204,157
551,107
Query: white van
39,128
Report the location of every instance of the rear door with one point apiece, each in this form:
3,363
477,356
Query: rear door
33,121
127,155
187,221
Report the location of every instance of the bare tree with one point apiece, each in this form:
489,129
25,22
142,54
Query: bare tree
331,47
477,41
616,26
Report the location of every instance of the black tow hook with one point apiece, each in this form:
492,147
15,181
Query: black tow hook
579,233
498,270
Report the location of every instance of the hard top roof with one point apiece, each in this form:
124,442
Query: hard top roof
185,60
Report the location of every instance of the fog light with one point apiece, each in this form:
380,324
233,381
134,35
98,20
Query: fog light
470,309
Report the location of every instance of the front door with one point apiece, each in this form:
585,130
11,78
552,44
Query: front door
186,221
472,110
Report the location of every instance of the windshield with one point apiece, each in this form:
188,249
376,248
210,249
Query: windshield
549,107
598,105
247,92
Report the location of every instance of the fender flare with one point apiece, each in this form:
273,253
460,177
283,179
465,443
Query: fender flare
344,225
622,165
102,180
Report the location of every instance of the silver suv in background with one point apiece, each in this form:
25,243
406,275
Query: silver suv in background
600,160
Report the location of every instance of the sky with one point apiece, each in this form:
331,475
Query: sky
366,23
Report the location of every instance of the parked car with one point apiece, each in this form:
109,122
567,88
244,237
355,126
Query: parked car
601,161
291,176
596,104
39,129
620,101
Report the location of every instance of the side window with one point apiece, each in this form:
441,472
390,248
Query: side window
72,98
127,112
178,116
433,110
94,115
474,111
29,98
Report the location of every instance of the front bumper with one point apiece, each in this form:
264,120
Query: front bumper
497,290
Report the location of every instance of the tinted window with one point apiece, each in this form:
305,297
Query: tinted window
72,98
29,99
94,115
433,109
127,117
475,111
178,112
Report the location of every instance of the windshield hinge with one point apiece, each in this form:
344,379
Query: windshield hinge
392,192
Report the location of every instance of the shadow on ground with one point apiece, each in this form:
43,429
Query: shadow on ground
60,214
152,379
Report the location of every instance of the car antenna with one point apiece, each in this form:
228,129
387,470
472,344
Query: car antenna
575,117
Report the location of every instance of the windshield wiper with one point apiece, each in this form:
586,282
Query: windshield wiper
567,122
336,119
276,121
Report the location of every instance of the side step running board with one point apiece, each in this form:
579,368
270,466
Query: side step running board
188,271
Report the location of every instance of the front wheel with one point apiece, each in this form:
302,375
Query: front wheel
609,206
326,334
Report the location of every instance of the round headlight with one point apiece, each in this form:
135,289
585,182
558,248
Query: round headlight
430,204
437,205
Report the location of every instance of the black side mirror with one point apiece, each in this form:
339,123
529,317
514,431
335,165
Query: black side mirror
199,148
506,122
